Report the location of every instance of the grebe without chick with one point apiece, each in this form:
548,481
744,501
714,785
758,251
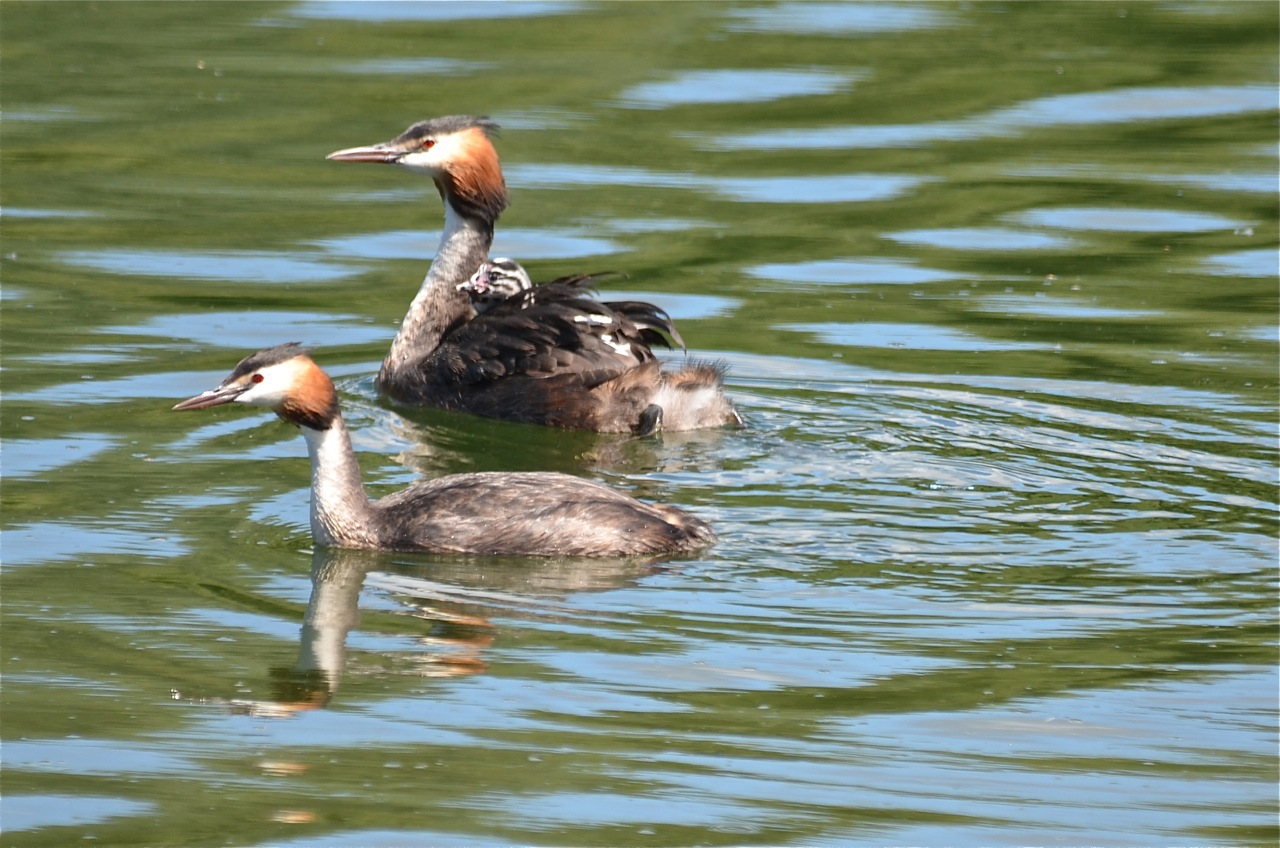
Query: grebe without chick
500,513
544,365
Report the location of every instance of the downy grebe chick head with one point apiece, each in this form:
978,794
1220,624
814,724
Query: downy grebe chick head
495,281
456,151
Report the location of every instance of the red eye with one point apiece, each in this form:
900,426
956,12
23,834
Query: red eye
428,143
257,378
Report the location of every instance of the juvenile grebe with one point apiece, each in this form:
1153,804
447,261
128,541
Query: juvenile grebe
547,363
497,282
531,513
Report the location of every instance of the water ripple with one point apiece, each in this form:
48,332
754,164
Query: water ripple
909,336
851,271
30,457
510,241
734,86
983,238
417,66
258,329
838,19
1084,108
1263,262
827,188
1123,220
23,812
381,11
233,266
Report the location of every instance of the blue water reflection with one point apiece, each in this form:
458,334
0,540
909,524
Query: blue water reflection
417,66
1047,307
537,175
1085,108
734,86
239,266
1260,182
31,812
1126,220
92,756
983,238
88,391
259,328
832,188
826,188
839,19
382,11
911,336
60,541
19,212
509,241
1262,262
851,271
25,457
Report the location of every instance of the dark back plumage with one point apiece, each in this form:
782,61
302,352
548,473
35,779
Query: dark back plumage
561,335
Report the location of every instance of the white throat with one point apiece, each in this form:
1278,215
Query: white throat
340,513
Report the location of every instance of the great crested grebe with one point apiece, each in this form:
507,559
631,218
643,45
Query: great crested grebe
501,513
548,363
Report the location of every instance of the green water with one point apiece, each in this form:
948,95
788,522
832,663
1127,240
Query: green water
997,286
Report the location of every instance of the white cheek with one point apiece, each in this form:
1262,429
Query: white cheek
420,163
254,397
266,393
432,161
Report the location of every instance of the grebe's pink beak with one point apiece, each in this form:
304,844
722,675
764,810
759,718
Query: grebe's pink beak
385,153
214,397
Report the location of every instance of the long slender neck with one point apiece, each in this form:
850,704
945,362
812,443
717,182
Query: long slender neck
340,512
439,306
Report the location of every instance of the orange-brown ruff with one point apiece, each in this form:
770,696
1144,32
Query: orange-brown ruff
527,514
477,177
565,362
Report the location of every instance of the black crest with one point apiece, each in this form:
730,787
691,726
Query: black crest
266,358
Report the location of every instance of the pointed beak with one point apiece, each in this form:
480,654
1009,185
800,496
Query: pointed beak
385,153
214,397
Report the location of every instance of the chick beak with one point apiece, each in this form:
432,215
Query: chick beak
479,282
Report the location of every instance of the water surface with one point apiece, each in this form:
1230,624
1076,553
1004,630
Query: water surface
996,285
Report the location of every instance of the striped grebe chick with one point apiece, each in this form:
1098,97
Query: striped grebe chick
549,363
495,281
504,284
500,513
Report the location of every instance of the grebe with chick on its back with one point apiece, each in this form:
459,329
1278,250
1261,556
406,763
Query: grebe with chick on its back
500,513
557,361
